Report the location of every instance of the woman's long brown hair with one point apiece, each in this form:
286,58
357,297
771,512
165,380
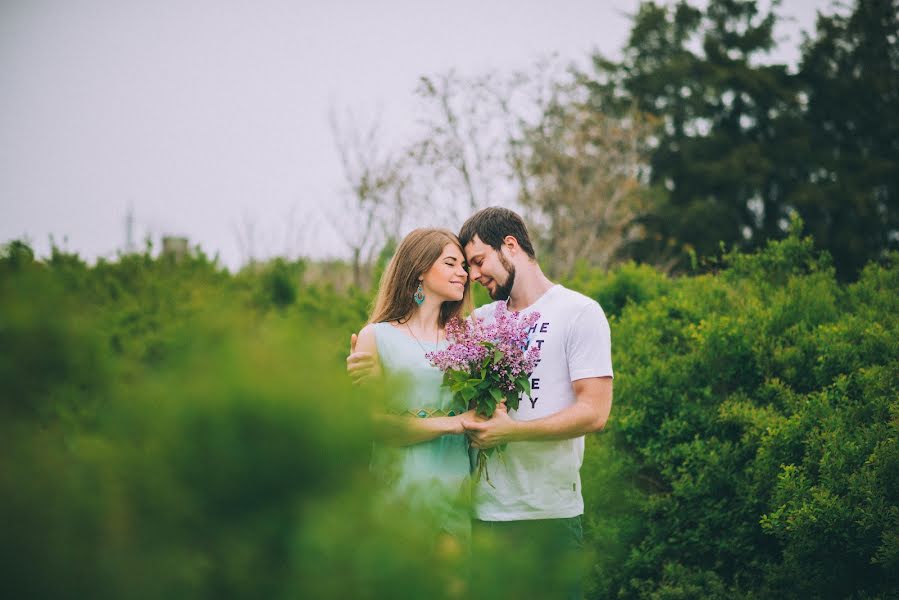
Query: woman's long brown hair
416,254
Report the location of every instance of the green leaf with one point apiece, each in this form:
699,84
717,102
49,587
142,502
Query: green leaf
468,393
497,395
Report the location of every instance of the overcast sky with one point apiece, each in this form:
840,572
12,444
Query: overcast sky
200,114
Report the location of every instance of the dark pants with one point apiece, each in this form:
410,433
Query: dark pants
528,559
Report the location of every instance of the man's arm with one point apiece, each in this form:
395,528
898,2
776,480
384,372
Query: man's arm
589,413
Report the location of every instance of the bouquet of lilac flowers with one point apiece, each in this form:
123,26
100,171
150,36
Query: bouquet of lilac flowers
487,363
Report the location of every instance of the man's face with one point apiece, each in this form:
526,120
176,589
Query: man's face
490,268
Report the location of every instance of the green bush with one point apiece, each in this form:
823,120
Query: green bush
173,430
233,464
759,408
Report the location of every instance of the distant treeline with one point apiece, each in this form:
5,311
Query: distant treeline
691,139
743,145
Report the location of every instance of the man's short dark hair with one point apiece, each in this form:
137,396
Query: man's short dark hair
492,225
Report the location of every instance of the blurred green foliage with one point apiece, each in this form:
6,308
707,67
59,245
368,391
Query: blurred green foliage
174,430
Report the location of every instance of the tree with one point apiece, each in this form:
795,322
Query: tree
585,174
850,71
462,155
374,198
726,156
528,140
745,144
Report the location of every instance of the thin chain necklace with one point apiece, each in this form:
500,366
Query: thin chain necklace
415,337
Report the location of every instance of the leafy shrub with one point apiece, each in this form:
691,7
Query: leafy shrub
760,407
169,434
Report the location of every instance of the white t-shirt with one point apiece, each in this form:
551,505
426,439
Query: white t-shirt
541,479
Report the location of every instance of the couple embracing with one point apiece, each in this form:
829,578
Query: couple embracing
534,494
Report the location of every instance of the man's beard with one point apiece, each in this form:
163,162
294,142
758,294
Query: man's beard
503,291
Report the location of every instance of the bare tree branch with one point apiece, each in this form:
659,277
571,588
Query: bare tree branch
373,198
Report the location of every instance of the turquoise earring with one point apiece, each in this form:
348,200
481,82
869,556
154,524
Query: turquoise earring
419,295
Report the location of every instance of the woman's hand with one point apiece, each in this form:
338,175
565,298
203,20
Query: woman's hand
458,421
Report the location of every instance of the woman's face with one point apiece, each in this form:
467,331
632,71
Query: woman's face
447,277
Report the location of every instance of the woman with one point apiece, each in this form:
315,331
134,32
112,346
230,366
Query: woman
423,456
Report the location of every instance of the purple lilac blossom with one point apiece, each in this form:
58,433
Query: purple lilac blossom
508,332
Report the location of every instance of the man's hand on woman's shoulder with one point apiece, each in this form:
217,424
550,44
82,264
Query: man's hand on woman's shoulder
361,366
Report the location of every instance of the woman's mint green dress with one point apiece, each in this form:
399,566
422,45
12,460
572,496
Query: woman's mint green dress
432,477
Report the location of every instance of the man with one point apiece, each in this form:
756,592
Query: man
534,492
